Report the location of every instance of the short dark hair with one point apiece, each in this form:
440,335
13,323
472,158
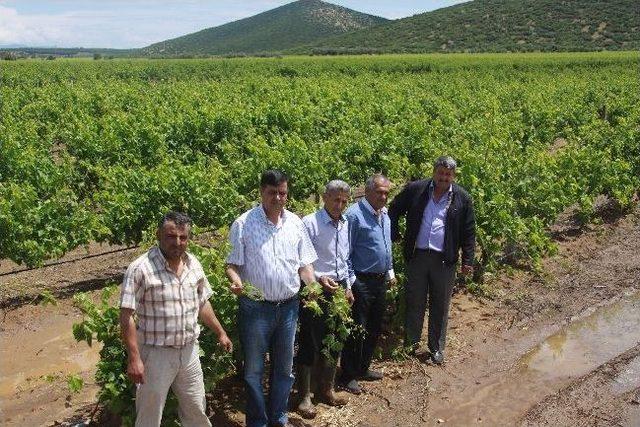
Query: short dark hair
178,218
273,177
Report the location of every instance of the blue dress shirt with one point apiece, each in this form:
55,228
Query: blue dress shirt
370,236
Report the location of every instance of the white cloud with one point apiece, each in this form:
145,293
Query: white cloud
34,30
117,24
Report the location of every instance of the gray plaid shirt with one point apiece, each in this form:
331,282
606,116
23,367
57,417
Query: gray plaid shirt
167,306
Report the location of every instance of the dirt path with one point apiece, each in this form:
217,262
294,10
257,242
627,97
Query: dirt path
38,353
558,347
536,343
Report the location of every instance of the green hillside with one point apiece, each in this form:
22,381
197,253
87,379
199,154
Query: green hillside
297,23
500,26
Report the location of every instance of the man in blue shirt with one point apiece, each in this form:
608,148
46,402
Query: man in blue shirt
370,237
440,224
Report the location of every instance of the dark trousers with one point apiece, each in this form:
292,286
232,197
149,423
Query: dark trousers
429,283
367,311
313,330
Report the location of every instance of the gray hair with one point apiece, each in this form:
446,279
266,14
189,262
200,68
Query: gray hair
370,184
445,161
337,185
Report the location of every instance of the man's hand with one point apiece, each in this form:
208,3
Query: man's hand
467,269
225,342
237,288
349,295
328,284
234,277
135,370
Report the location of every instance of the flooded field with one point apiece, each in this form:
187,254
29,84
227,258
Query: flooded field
580,347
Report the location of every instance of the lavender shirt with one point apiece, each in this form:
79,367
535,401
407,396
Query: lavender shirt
431,235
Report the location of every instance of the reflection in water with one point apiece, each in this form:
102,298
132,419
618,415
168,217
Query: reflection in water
587,343
579,348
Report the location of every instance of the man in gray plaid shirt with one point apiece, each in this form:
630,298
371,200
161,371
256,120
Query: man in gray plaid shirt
168,291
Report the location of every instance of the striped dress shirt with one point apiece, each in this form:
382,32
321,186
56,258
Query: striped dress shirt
331,241
167,306
268,256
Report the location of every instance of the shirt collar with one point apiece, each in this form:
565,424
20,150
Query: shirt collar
432,186
326,218
368,206
263,215
158,256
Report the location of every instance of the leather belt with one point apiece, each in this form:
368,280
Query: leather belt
282,301
428,251
371,275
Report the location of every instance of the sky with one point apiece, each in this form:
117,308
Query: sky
123,24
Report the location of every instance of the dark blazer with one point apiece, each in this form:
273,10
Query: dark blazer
459,229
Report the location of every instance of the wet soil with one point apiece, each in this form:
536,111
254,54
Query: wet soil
37,355
84,269
556,346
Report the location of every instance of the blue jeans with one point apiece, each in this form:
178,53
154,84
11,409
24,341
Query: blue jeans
268,327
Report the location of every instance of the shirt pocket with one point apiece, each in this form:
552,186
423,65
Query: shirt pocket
290,252
155,290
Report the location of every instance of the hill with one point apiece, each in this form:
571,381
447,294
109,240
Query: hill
298,23
500,26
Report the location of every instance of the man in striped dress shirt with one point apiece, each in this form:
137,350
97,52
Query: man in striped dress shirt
168,290
271,250
329,232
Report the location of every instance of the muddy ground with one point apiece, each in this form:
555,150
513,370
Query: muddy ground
559,346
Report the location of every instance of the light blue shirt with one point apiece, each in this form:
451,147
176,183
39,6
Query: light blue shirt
431,234
268,256
330,239
370,236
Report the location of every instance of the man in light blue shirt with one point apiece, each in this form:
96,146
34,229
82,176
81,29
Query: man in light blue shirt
329,232
370,236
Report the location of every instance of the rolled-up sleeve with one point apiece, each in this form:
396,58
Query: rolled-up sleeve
204,287
236,256
131,290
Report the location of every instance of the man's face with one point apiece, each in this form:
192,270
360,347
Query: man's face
443,177
378,195
335,203
274,198
173,239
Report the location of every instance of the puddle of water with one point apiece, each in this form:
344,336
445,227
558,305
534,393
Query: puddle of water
579,348
50,351
589,342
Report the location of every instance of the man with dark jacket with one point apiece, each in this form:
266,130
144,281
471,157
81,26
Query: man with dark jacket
440,223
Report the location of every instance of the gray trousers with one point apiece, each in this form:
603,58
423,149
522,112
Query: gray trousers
180,370
429,283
